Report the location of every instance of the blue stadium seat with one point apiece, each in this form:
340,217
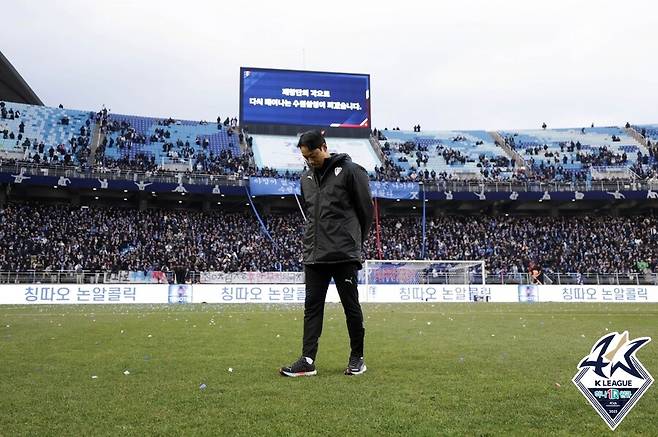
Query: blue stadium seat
44,124
590,141
186,131
465,143
650,131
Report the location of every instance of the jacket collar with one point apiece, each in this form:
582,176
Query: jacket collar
331,162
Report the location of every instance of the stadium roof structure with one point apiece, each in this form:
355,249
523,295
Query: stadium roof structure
13,87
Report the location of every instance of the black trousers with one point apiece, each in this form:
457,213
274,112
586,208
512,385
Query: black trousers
318,277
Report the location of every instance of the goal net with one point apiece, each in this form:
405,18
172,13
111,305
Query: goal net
424,272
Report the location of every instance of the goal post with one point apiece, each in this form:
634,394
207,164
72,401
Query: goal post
378,272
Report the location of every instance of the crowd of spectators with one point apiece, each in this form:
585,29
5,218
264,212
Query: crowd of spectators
198,154
544,164
648,169
573,161
8,113
581,244
496,168
75,151
52,238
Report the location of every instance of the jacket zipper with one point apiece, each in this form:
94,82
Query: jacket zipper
315,224
317,203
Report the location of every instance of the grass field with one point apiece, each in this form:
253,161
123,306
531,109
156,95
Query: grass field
433,369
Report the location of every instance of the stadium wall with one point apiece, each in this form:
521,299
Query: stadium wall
294,293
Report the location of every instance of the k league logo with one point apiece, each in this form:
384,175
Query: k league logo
612,378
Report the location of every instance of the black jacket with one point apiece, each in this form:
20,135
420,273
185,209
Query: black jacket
339,211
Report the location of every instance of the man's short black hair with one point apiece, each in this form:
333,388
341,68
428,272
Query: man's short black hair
313,139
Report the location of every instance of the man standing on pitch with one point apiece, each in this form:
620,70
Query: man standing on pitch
339,214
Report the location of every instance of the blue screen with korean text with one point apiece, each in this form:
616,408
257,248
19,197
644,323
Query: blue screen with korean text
304,98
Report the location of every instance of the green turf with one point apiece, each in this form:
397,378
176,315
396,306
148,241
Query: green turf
433,369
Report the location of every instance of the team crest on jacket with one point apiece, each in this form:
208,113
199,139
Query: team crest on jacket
612,378
337,170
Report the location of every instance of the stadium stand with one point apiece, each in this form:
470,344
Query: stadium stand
444,155
51,238
48,136
41,134
150,143
509,244
648,168
48,238
572,154
649,131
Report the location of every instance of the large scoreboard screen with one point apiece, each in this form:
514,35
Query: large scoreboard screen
304,98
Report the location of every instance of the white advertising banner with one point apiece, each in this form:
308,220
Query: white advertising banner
255,293
295,293
287,293
440,293
82,293
595,293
